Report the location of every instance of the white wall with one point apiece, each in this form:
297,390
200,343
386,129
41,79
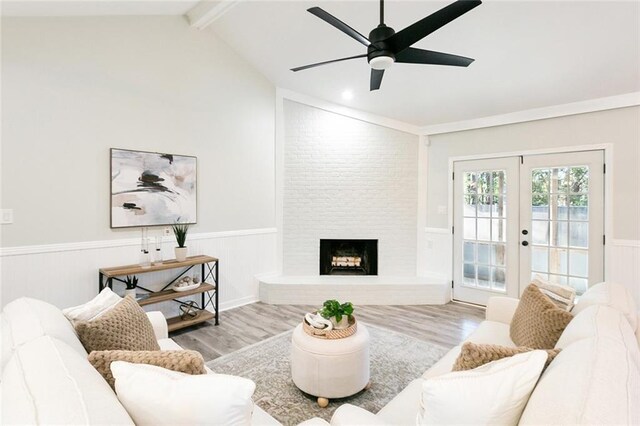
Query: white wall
345,178
74,87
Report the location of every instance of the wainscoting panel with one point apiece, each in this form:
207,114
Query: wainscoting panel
67,274
625,266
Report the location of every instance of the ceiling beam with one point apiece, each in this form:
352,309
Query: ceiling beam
207,12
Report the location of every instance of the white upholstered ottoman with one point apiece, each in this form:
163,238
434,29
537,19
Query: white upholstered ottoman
330,368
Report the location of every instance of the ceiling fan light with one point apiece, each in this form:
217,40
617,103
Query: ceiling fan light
381,62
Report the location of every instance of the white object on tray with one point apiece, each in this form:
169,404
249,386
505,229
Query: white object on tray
186,287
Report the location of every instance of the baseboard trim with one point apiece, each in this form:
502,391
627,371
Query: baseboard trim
92,245
232,304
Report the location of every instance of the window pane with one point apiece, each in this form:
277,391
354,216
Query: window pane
579,207
484,279
580,284
469,273
498,280
540,259
498,230
499,182
558,261
484,229
559,180
484,205
579,179
469,252
540,232
579,234
559,234
484,183
559,207
540,206
470,185
579,263
560,279
483,253
498,254
469,231
470,202
540,180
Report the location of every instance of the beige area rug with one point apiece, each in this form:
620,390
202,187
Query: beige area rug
395,360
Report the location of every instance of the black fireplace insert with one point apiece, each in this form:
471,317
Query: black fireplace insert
348,257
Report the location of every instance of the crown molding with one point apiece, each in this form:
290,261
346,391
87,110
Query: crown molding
592,105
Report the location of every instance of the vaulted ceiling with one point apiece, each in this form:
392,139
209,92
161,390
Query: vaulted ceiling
528,54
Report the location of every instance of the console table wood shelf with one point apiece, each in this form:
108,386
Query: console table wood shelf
208,289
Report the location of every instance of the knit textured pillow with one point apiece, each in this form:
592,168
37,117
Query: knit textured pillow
537,322
189,362
563,296
125,327
473,355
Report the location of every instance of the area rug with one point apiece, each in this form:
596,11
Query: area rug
395,360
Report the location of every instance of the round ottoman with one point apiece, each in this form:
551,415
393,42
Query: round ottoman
330,368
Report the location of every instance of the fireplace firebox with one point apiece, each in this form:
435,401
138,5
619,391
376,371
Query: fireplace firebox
348,257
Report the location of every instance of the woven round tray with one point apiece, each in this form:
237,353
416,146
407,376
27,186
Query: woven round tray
333,334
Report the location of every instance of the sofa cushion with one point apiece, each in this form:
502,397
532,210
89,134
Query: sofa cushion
189,362
491,332
561,295
48,382
599,321
473,355
403,408
157,396
124,327
592,381
538,322
494,394
444,364
103,302
26,319
613,295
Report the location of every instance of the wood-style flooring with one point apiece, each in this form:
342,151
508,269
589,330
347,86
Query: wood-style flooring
446,325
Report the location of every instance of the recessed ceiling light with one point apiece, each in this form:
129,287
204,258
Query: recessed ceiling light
347,95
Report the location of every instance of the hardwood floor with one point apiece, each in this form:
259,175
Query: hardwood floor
446,325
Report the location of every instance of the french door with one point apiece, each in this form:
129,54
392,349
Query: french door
517,217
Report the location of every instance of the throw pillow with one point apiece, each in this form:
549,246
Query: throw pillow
537,322
474,355
103,302
124,327
156,396
563,296
189,362
494,394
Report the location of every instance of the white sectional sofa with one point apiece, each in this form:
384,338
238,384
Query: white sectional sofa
594,380
46,378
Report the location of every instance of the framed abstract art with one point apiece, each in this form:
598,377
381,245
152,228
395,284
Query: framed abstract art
152,188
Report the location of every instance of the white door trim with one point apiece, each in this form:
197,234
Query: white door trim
609,180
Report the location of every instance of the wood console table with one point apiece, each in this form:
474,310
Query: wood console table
208,289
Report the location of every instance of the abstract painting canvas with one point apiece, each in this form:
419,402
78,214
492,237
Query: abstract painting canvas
151,188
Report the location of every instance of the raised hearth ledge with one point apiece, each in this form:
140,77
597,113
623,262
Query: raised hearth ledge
361,290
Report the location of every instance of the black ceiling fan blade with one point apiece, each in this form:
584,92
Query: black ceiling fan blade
332,20
419,30
412,55
327,62
376,79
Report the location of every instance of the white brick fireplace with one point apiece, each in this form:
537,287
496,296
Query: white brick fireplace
344,178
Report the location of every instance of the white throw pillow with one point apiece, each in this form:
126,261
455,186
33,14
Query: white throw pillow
493,394
91,310
157,396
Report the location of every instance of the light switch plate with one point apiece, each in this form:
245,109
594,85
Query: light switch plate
7,216
442,209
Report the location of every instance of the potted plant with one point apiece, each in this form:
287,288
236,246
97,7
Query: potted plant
131,283
338,314
180,231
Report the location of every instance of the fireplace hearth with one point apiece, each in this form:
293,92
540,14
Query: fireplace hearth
348,257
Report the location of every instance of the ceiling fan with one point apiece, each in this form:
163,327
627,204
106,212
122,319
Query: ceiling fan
385,46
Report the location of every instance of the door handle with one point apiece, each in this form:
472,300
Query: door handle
525,243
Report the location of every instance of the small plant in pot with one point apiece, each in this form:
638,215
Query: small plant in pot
131,283
180,231
339,314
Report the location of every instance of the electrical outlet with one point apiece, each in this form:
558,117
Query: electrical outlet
7,216
167,231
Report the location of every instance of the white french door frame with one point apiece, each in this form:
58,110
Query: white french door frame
609,180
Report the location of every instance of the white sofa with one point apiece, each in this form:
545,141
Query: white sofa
594,380
46,378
